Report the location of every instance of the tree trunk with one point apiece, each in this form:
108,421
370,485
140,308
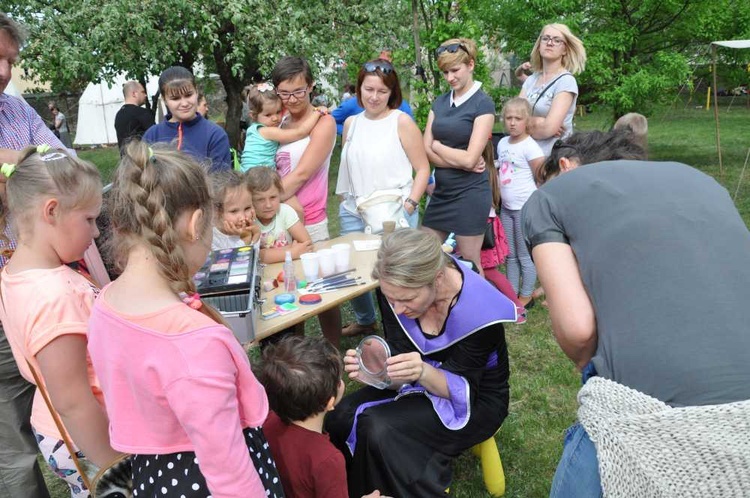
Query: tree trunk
233,87
617,107
234,110
151,106
420,73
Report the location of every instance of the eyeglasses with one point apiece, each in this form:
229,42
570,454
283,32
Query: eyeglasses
451,49
554,40
384,67
297,94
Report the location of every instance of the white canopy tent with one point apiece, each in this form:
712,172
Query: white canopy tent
733,44
97,108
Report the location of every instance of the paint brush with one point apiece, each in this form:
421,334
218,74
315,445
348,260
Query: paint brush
341,286
341,281
334,275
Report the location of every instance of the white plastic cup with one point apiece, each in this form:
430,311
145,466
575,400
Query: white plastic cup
310,265
341,254
327,262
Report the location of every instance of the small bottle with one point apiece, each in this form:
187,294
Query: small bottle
290,281
449,246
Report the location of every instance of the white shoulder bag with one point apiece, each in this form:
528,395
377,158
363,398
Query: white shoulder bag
381,205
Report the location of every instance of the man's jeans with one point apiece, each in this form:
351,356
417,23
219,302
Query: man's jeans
20,476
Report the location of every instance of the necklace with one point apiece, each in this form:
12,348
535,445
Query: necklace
439,321
436,321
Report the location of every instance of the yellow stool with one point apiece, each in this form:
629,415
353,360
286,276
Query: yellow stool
492,467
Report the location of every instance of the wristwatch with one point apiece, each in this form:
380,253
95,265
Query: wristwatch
412,202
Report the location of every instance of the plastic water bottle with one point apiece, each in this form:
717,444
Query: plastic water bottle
290,281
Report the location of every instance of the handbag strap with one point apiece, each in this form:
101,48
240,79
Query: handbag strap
349,137
55,416
547,88
60,426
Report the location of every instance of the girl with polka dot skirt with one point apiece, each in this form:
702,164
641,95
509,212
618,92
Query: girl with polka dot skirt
179,391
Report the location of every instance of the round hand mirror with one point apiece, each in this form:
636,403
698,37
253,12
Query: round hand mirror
372,353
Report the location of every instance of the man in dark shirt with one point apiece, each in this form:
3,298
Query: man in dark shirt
132,120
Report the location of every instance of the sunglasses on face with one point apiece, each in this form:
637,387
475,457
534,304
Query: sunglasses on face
384,67
451,49
297,94
554,40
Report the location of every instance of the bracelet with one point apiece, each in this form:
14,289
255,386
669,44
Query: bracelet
412,202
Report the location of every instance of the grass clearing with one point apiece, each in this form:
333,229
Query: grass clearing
543,382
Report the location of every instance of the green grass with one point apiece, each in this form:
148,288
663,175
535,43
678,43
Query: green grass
105,158
686,134
543,382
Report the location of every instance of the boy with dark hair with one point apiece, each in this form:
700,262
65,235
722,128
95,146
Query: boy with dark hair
302,377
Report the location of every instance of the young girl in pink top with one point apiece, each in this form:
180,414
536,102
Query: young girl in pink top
54,200
180,393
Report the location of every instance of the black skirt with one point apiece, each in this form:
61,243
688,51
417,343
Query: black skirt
457,207
178,474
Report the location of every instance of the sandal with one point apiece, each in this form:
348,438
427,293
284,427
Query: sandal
356,329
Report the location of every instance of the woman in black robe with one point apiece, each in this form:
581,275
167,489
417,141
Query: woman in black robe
448,372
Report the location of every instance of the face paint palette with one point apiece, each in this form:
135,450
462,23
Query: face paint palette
229,281
227,270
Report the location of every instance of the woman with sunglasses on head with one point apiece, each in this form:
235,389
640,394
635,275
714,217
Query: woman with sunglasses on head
455,136
552,89
382,150
303,164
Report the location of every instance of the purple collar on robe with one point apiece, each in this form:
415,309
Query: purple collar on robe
480,304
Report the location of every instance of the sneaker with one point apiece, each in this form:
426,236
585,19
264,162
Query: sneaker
521,313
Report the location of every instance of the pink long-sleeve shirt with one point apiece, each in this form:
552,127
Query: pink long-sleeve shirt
174,381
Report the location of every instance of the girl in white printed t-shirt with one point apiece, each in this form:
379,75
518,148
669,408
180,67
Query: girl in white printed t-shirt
519,157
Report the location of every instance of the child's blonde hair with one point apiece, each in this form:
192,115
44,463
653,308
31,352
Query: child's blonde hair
221,182
638,126
261,178
575,58
152,188
518,103
44,172
258,96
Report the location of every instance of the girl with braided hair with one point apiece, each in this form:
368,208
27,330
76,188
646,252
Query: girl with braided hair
180,393
53,200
